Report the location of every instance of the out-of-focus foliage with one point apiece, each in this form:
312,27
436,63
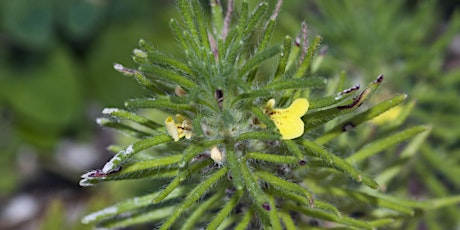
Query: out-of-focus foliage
56,66
56,59
406,41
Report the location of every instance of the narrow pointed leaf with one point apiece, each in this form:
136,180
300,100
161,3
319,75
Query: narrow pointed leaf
257,59
132,149
245,221
157,58
305,65
128,205
320,214
283,58
379,145
339,163
139,217
160,104
283,184
123,128
225,211
258,135
193,196
287,221
123,114
201,210
258,197
233,165
294,149
272,158
153,71
181,176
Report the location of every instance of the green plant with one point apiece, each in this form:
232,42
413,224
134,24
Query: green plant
233,160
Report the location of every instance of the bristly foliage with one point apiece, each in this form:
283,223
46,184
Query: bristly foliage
232,159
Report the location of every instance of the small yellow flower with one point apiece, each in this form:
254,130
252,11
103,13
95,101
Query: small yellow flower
179,130
288,120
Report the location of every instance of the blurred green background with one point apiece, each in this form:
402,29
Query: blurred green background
56,76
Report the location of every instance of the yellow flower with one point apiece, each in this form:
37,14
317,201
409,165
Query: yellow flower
179,130
288,121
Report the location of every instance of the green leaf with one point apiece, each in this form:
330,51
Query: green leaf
287,221
315,82
258,135
305,65
275,222
283,58
168,75
123,114
96,176
201,210
377,146
233,165
258,59
294,149
322,215
315,119
283,184
132,149
193,196
259,199
339,163
267,34
160,59
187,12
217,16
374,198
245,221
123,128
272,158
256,17
328,101
181,176
225,211
128,205
160,104
155,215
360,118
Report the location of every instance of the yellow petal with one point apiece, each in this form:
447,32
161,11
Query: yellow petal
171,128
289,127
288,121
298,108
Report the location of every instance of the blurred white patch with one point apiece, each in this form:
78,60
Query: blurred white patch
109,110
19,209
76,156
